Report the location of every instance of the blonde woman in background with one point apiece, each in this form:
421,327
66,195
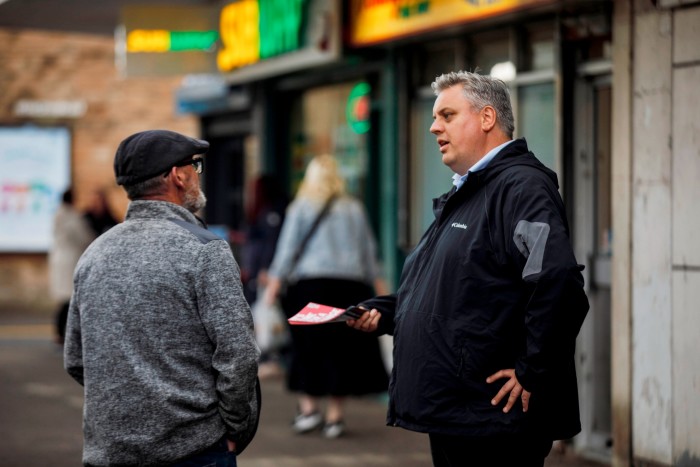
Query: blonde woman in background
338,267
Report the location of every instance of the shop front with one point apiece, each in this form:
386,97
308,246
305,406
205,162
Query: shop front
285,92
242,112
338,110
368,101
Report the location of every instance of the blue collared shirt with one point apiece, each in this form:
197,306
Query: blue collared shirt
458,180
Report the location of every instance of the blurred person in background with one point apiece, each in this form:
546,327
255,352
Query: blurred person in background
98,213
159,332
264,223
71,236
338,267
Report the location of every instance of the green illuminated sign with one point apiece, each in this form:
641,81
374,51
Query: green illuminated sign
358,107
160,40
253,30
280,23
193,40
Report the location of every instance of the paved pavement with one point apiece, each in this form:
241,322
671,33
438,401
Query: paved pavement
40,418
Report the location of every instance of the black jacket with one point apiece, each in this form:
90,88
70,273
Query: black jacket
493,284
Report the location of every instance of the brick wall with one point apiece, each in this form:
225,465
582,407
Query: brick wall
52,66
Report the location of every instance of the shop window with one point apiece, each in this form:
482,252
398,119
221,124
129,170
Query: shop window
538,52
535,92
491,52
332,120
436,59
429,176
536,120
591,33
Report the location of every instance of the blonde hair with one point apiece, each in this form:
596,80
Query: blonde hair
322,179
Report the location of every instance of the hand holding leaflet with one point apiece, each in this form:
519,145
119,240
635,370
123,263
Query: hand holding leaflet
315,313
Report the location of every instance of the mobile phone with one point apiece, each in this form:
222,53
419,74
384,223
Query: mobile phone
354,312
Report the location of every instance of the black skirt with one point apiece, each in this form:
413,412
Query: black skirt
332,359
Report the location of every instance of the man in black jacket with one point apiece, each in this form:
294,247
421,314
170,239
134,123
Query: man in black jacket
491,296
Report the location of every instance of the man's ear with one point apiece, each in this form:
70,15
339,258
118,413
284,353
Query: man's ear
177,178
488,118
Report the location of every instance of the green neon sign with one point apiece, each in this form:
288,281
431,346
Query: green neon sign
253,30
192,40
161,40
280,24
357,109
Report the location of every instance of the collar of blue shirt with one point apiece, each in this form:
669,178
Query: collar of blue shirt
458,180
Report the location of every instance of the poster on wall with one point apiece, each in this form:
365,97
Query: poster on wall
36,171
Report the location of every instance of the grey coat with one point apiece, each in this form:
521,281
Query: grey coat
162,339
71,236
342,247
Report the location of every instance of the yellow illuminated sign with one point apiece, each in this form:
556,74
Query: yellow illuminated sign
141,40
161,40
376,21
167,40
254,30
240,35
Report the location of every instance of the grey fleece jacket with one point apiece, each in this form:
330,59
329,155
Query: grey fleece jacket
162,339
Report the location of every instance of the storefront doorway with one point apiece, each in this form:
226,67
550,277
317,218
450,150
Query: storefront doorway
333,119
592,241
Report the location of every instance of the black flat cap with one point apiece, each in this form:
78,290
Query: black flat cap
146,154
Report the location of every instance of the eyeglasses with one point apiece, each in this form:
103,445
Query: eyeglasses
197,163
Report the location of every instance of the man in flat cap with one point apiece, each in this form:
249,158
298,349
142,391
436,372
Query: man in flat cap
159,333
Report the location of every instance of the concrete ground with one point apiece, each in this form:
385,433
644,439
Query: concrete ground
40,417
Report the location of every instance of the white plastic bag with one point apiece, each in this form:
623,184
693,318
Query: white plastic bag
271,330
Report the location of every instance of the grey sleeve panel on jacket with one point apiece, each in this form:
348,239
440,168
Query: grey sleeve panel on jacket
531,239
203,235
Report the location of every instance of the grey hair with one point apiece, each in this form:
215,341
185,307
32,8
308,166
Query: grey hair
152,186
480,91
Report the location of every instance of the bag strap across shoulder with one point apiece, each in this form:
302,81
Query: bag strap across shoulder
310,233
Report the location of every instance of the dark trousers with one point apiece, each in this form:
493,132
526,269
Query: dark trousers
461,451
216,456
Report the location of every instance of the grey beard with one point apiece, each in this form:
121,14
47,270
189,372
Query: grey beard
194,200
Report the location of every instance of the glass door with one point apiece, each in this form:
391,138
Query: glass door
593,235
333,119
